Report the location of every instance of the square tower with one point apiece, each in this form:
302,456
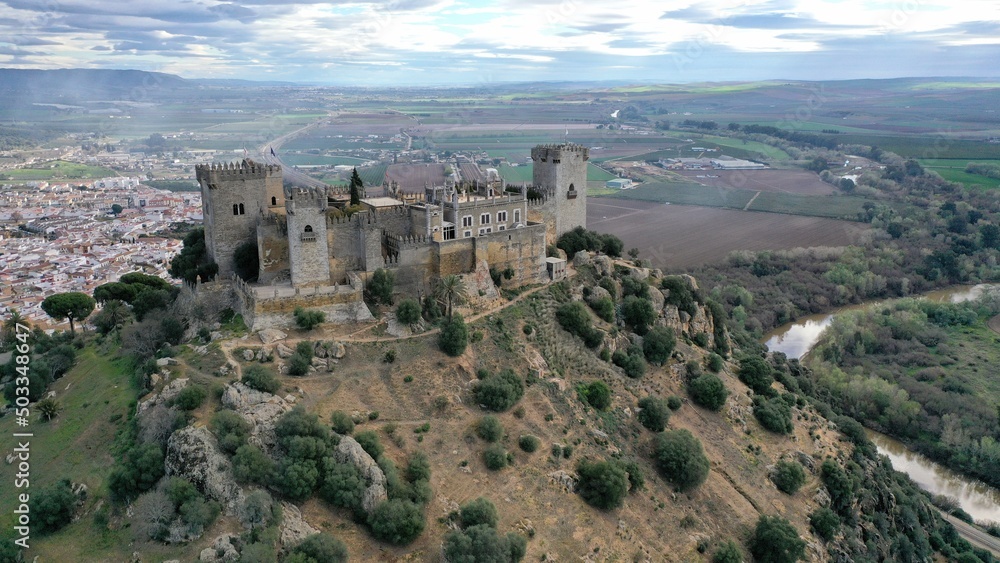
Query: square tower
560,173
233,203
308,249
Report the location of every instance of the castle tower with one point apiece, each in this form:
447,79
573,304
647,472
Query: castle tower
233,202
560,173
308,249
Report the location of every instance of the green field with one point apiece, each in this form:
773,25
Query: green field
78,445
927,147
373,175
523,173
953,170
57,170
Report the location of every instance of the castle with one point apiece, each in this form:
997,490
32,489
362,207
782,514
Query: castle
312,254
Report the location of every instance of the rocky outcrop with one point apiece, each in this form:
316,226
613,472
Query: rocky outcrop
165,395
193,453
260,409
581,258
604,265
271,335
223,549
294,528
597,293
350,451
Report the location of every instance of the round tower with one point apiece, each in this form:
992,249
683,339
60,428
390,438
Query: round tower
560,173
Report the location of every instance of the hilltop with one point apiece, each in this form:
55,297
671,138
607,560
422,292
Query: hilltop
413,400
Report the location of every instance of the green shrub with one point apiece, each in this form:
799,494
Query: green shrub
299,364
342,422
715,363
632,286
775,540
658,344
321,548
680,294
654,414
631,361
495,457
308,319
674,402
343,485
397,521
529,443
708,391
501,391
755,372
370,443
454,336
700,339
638,313
490,429
596,394
602,484
839,485
260,378
252,465
574,319
680,458
190,397
824,522
604,308
481,543
297,478
379,289
52,507
728,552
408,311
788,476
773,414
231,429
479,512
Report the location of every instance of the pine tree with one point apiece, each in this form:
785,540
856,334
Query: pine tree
357,186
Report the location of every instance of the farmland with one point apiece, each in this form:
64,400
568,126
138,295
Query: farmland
679,236
58,170
413,177
954,171
799,182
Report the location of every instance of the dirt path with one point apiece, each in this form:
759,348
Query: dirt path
749,203
994,324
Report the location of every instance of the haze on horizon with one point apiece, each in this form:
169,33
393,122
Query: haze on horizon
423,42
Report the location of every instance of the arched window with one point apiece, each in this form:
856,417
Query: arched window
571,194
236,209
309,228
274,200
242,211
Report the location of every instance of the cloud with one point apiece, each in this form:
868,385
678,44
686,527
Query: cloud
461,40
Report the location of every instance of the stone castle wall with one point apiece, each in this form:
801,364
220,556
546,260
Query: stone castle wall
224,188
560,172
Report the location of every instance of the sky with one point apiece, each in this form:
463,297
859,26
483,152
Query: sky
471,42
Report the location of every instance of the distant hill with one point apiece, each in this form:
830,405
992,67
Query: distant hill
23,87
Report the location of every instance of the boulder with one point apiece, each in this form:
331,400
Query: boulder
260,409
271,335
657,298
222,549
700,323
162,362
248,355
597,293
193,453
283,350
564,480
263,354
294,528
319,363
339,351
581,258
350,451
604,265
165,394
640,273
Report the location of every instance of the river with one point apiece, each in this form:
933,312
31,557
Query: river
975,497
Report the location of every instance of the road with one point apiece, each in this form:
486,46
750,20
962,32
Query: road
974,535
290,174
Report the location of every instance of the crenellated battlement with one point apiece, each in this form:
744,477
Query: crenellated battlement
247,169
556,153
302,198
